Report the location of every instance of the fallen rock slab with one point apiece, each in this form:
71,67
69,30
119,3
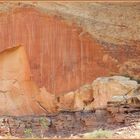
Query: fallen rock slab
104,88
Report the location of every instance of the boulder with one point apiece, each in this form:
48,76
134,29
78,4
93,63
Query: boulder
129,99
47,101
104,88
78,100
116,89
84,98
66,101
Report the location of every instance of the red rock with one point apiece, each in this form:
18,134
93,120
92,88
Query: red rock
62,56
66,101
47,101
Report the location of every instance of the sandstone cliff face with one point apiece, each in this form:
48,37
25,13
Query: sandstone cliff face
20,95
61,56
66,49
112,22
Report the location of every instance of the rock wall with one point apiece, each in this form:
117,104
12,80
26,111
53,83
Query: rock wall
59,57
62,54
106,21
21,96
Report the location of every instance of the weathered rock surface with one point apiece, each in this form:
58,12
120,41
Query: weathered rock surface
77,111
17,89
105,88
63,124
68,48
125,108
66,124
123,112
47,101
24,126
20,95
78,100
63,51
96,95
63,55
105,21
61,58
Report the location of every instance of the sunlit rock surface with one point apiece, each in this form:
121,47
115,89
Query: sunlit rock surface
17,90
61,57
20,95
105,88
68,48
47,101
99,93
63,51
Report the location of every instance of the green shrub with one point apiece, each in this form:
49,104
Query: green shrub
44,125
28,132
98,134
44,122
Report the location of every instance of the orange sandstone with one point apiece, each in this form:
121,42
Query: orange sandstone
62,57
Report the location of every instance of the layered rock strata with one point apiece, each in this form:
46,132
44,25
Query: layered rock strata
64,124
